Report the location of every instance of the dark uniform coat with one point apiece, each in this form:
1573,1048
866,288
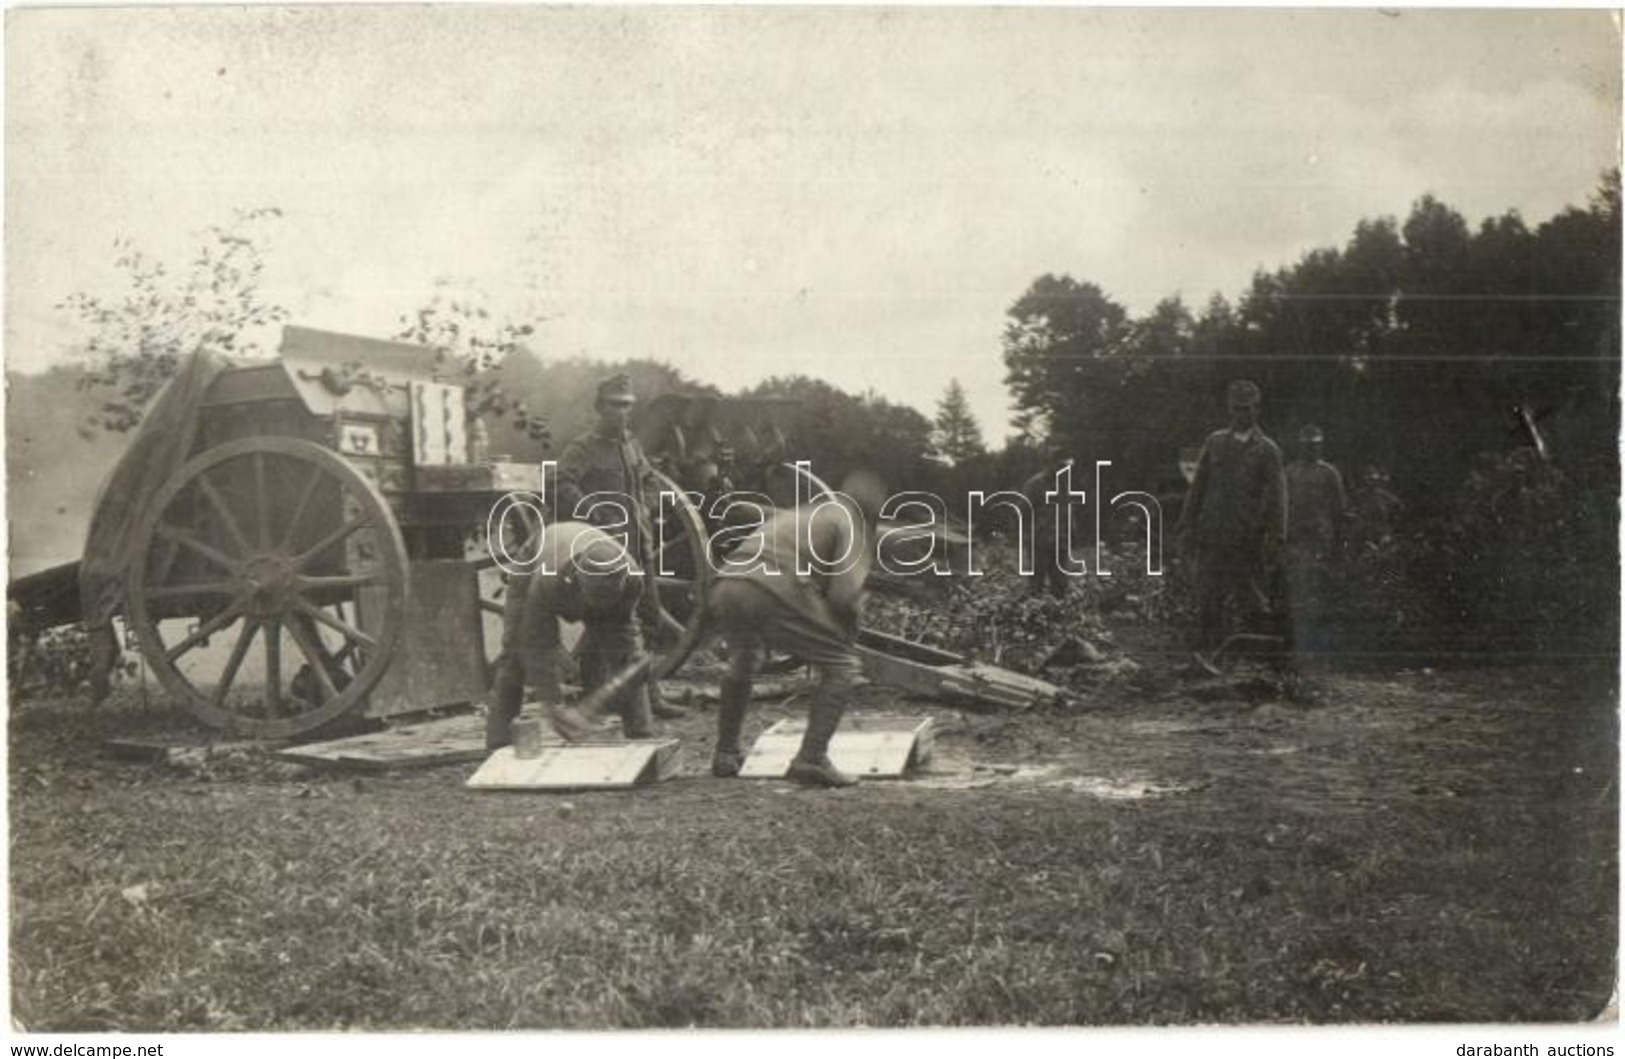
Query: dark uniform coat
1234,519
613,463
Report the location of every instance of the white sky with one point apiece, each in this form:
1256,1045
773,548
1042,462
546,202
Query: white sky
852,193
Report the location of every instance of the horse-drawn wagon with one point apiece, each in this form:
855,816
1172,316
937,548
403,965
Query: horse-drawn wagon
289,541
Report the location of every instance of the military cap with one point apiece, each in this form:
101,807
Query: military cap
1243,391
1310,433
617,389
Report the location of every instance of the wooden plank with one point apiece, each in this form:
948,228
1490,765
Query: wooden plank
410,757
972,683
499,476
581,766
416,745
871,747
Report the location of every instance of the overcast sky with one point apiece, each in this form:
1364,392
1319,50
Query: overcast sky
855,194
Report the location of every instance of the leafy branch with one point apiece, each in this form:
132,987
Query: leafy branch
471,346
139,337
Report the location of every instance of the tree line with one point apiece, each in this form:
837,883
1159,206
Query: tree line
1476,367
1415,346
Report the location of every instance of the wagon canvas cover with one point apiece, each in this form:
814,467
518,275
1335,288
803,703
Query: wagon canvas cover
160,447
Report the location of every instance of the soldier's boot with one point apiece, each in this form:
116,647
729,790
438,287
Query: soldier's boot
637,722
506,698
812,766
727,759
666,711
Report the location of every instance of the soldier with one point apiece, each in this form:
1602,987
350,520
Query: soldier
759,597
583,575
1233,524
608,460
1317,515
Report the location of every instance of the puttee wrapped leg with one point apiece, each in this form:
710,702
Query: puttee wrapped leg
812,766
728,758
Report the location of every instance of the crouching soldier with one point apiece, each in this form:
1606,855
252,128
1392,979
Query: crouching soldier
761,597
583,575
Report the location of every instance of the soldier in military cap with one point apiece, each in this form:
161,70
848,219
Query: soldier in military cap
608,460
1317,516
1233,524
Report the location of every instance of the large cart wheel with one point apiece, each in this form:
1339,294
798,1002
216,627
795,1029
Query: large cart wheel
519,526
681,570
276,542
680,567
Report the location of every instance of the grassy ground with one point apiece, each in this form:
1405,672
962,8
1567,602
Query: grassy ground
1434,846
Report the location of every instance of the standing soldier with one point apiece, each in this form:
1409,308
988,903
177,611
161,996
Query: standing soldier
761,597
1317,513
1233,524
584,575
607,464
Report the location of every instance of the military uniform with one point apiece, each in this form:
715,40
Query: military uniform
1234,524
763,601
570,584
1316,507
600,462
608,460
1317,511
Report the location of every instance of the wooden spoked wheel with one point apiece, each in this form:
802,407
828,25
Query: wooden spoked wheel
513,531
681,569
268,586
679,565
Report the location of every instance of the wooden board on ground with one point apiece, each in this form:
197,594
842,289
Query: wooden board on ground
581,766
944,675
437,742
870,747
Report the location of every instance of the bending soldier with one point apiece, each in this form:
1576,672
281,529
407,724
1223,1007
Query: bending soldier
583,575
759,597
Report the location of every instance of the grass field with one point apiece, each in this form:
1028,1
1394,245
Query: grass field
1417,846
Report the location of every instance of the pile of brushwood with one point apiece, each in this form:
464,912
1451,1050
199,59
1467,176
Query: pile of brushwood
1523,561
997,615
